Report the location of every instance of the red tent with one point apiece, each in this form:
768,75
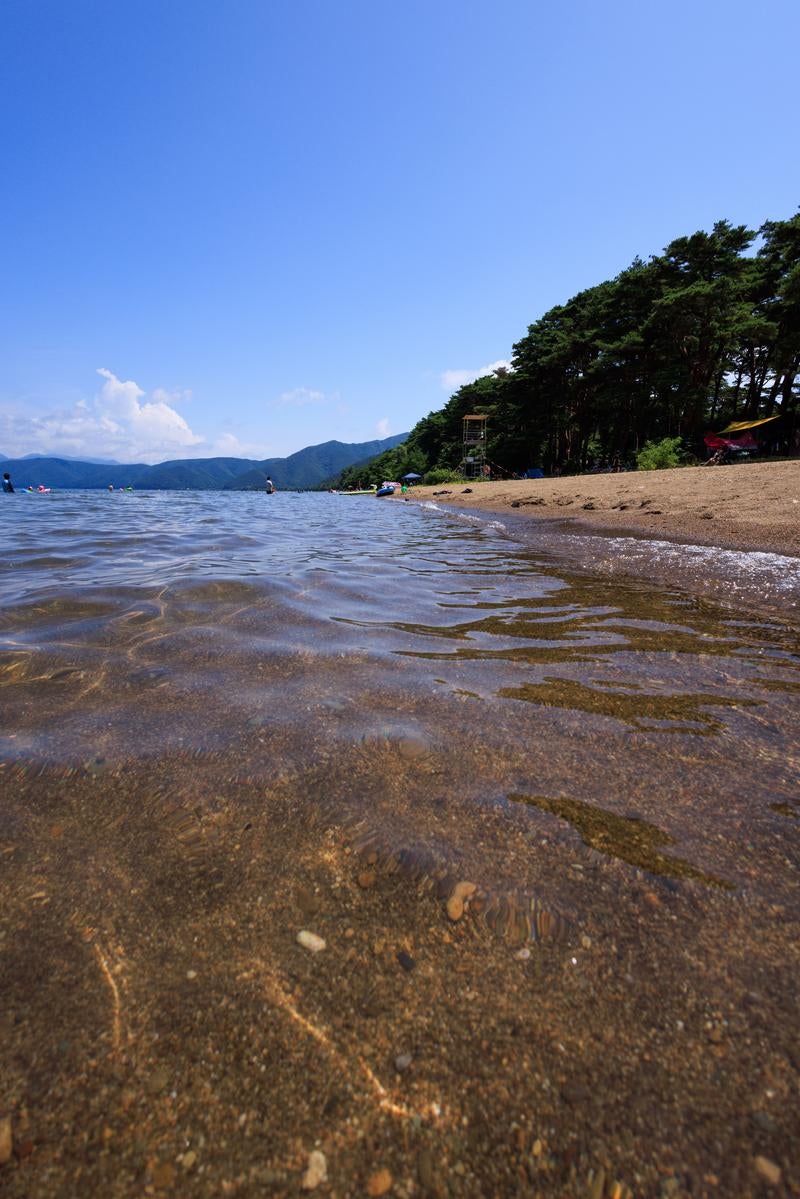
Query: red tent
746,442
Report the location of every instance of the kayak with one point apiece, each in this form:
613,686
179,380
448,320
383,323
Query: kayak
367,491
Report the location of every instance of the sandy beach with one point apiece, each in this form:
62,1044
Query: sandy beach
751,506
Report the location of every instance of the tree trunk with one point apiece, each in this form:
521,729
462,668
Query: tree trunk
712,416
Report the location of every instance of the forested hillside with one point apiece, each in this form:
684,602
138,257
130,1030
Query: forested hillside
706,333
306,468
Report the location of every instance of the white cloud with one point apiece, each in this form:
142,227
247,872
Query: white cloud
301,397
229,446
382,428
120,399
120,422
453,379
150,427
172,397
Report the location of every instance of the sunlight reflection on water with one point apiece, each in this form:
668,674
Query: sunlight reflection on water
205,628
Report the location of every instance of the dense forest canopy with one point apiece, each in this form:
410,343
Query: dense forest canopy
704,334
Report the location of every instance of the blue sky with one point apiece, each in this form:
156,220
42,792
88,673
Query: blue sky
247,227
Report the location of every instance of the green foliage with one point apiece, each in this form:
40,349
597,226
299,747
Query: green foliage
660,455
705,333
442,475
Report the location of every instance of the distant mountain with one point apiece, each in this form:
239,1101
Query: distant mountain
308,468
61,472
193,474
71,458
313,466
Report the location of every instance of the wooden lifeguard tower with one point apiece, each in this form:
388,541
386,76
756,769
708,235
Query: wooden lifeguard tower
473,457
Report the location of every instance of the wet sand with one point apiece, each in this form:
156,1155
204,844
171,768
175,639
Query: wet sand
164,1032
750,506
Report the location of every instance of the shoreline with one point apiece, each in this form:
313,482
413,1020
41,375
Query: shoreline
749,507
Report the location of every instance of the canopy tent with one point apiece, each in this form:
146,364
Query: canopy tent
739,426
745,440
715,442
411,475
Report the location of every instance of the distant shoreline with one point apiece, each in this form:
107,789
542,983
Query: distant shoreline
747,507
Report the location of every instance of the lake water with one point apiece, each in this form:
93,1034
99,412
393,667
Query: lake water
227,719
428,681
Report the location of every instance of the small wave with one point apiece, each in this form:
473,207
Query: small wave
733,574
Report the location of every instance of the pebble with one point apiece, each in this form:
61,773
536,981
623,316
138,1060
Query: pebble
188,1159
157,1081
402,1062
310,941
316,1172
455,904
411,748
307,901
191,974
366,878
379,1183
6,1140
163,1176
768,1170
764,1121
405,960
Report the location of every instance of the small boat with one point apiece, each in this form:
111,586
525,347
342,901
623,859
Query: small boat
384,491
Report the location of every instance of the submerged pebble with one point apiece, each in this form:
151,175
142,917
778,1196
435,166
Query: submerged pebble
456,903
310,941
379,1183
768,1170
316,1171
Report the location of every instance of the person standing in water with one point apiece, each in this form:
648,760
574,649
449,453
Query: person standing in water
8,486
270,486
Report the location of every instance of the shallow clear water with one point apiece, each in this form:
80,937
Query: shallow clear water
426,680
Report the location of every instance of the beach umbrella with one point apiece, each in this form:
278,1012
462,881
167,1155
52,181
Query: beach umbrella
411,475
